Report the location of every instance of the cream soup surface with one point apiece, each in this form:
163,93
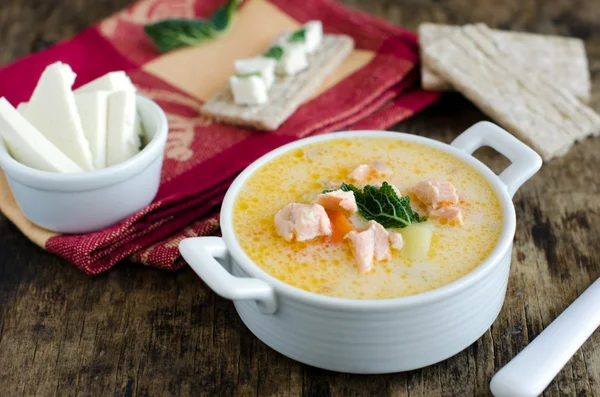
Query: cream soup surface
329,268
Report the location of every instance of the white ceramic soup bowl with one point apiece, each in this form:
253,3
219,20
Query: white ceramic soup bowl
89,201
370,336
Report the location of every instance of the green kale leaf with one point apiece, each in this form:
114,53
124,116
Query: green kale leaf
384,206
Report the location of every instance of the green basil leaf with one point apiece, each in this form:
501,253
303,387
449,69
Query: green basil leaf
223,17
298,36
170,34
275,52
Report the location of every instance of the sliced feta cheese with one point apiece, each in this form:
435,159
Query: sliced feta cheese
259,64
250,90
293,60
113,81
93,110
124,128
52,110
28,146
313,35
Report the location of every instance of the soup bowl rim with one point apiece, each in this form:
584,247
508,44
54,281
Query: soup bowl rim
502,246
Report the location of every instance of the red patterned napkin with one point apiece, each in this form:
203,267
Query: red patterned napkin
374,88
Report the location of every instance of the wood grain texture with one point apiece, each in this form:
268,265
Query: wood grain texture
143,332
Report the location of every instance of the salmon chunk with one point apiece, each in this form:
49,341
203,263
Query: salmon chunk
360,173
396,241
365,172
337,200
382,244
363,245
450,213
302,221
369,245
436,193
440,198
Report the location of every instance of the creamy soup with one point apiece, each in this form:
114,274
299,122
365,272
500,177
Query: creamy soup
329,268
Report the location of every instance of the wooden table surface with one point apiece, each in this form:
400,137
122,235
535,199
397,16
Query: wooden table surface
136,331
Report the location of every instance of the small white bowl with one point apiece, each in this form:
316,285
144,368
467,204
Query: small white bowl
90,201
379,335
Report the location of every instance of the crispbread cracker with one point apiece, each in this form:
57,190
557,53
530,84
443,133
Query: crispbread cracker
560,59
509,89
429,33
286,94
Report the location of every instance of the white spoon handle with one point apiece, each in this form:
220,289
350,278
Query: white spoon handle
530,372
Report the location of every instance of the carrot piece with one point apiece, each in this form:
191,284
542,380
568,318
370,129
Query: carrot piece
340,225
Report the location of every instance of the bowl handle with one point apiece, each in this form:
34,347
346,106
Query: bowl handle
525,162
200,254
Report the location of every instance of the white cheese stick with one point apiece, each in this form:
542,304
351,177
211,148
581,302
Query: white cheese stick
113,81
22,108
124,128
53,112
93,110
28,146
115,152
